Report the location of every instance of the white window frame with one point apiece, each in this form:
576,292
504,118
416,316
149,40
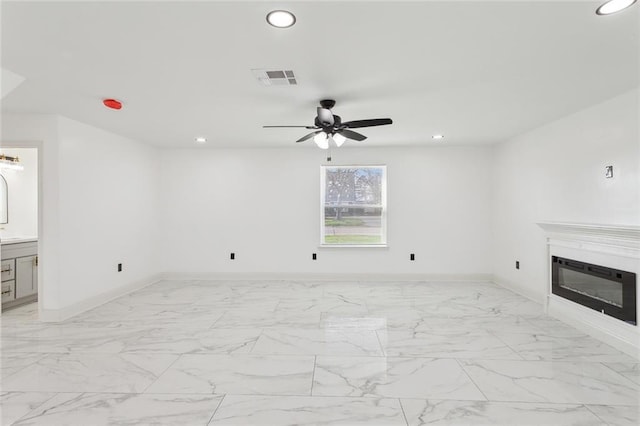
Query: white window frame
323,177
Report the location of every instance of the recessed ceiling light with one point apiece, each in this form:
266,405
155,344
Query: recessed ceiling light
281,19
201,140
613,6
437,137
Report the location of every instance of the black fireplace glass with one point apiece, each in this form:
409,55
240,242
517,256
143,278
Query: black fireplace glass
607,290
592,286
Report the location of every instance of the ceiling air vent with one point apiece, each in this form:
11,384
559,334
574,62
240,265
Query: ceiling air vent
275,77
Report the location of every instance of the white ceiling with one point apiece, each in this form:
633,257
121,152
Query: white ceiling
479,72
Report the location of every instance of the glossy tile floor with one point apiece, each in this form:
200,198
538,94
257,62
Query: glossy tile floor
312,353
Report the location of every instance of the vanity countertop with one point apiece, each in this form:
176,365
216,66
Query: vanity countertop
17,240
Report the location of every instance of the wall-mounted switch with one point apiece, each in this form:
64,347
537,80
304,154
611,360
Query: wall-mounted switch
517,264
314,257
412,256
119,267
608,172
232,256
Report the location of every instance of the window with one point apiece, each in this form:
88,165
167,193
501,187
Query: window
353,206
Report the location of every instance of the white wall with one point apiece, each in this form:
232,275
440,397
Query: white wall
41,131
99,207
557,173
103,196
23,194
108,211
263,204
107,199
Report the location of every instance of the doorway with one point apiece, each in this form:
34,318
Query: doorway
20,226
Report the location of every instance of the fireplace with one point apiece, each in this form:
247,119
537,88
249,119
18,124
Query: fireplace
607,290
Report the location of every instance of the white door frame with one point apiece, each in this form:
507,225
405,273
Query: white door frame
39,146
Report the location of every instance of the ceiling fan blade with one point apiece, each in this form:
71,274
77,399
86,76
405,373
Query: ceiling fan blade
352,135
367,123
303,127
309,136
325,116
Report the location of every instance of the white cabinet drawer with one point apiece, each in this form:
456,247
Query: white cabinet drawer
8,269
8,291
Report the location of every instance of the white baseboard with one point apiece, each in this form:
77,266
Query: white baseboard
611,331
327,276
57,315
519,289
622,336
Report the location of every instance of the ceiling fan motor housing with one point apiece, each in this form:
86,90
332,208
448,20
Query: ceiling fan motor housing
327,103
329,124
337,122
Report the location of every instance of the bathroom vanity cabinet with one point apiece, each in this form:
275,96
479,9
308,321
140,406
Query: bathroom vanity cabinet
19,272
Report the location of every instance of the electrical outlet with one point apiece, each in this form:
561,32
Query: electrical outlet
119,267
412,256
517,264
233,256
314,257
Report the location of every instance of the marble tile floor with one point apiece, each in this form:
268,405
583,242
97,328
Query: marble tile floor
312,353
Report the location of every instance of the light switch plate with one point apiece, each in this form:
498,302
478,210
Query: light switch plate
608,172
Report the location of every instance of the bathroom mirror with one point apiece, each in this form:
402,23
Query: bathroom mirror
4,201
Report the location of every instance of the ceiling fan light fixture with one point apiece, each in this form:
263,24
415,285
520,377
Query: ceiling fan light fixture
321,140
613,6
329,126
281,18
338,139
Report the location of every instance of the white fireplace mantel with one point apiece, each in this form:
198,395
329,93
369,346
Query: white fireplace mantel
615,246
613,235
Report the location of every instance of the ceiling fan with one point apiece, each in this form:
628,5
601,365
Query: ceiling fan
329,126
